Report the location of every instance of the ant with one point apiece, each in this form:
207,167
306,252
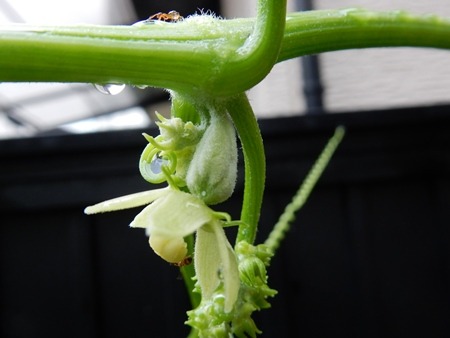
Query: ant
172,16
186,261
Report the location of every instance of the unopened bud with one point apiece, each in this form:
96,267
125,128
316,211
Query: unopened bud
171,249
212,173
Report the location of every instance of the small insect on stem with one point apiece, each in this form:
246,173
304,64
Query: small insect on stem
172,16
186,261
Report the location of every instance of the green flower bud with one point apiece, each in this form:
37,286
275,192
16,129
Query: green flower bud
253,272
212,173
173,149
176,134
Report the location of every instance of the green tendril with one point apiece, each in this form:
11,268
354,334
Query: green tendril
169,177
156,142
222,216
149,154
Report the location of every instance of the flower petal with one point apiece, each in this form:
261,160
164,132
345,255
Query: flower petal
207,261
127,201
176,214
216,260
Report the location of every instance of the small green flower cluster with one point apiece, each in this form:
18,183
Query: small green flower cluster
254,290
210,319
168,155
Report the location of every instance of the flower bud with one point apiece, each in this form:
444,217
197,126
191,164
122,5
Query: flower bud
171,249
253,271
212,172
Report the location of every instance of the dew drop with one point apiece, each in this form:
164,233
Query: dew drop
141,86
110,88
144,23
156,164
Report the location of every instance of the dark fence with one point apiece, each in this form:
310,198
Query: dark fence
367,257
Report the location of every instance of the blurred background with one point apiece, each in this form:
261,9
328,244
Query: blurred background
368,256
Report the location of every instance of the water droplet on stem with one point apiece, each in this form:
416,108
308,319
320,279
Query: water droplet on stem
110,88
156,164
144,23
141,86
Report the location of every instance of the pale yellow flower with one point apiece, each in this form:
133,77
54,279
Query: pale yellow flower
172,215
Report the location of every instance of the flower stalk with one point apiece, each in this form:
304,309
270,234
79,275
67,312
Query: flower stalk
255,165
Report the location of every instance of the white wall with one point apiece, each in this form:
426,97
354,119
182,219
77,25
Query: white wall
387,77
357,80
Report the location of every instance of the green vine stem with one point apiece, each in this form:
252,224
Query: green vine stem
186,56
251,62
200,55
255,165
331,30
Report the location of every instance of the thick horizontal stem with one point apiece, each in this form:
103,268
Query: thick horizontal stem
331,30
67,55
197,56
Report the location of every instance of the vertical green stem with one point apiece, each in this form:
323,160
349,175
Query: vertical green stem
251,62
183,107
255,165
